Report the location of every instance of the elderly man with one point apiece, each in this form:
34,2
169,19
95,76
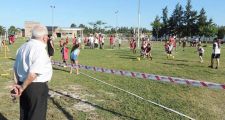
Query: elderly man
33,70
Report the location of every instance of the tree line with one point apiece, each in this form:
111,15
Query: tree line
185,22
102,27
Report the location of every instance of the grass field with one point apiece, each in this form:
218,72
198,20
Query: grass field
82,98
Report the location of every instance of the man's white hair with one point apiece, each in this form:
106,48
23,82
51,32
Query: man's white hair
39,31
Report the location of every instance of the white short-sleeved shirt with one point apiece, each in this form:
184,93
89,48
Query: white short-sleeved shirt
216,49
91,39
79,40
32,57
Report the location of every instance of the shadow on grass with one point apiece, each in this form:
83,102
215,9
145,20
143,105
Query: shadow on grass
67,114
59,69
2,117
96,106
126,55
12,59
176,64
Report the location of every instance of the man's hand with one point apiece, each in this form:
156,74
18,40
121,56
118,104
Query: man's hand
16,91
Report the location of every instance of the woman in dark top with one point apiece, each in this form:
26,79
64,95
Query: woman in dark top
50,47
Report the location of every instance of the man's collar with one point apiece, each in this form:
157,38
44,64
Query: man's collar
39,42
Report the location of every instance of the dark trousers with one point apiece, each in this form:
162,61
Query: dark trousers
33,102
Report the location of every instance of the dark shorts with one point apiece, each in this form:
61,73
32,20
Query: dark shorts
50,52
217,56
72,60
200,54
169,52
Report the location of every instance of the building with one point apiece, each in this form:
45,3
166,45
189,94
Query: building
28,25
59,32
62,32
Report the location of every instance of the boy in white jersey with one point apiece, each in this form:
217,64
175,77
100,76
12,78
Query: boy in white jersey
215,53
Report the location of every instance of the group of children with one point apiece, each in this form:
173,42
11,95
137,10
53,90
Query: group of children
74,53
146,49
145,52
171,44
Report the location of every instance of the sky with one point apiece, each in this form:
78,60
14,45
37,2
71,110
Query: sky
66,12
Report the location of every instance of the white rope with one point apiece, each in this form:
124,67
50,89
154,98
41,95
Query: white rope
169,109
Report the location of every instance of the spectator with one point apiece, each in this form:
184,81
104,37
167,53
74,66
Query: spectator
32,70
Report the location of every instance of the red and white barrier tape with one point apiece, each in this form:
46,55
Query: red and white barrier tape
149,76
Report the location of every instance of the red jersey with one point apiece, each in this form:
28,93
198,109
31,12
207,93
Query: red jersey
74,41
111,40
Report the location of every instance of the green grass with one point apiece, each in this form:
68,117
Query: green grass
109,103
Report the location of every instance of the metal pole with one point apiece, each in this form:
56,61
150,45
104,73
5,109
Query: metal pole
116,20
139,17
52,6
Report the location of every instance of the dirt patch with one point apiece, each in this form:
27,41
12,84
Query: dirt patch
84,107
77,92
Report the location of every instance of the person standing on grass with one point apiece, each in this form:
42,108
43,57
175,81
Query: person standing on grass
103,41
32,71
170,50
50,45
91,40
100,41
0,43
134,45
184,44
200,52
75,51
74,41
148,51
119,41
67,40
61,42
79,40
215,53
111,41
64,52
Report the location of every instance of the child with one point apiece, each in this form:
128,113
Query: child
61,42
64,52
134,45
111,41
200,52
143,50
170,49
75,51
148,51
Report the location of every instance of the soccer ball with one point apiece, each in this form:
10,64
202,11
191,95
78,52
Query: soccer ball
138,58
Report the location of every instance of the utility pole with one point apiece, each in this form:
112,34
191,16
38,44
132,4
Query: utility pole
139,17
52,7
116,13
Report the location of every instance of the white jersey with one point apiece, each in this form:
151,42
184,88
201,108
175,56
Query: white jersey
91,39
216,48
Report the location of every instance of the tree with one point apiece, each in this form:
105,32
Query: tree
165,21
73,25
202,22
190,19
156,26
2,30
82,26
210,30
12,30
94,26
221,32
176,21
97,26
